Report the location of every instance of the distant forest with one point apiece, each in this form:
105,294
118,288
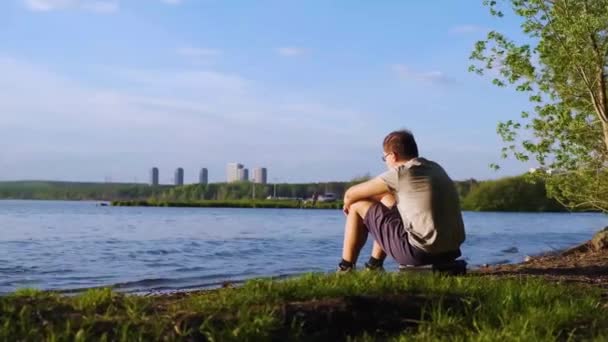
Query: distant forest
507,194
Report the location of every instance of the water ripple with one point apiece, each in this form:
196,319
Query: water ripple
76,245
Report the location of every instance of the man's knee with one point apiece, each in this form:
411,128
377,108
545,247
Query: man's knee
361,207
388,200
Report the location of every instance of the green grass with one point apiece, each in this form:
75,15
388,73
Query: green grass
366,306
283,204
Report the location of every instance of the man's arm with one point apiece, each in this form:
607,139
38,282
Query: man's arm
371,189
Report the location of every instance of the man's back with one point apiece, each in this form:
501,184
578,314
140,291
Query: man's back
429,205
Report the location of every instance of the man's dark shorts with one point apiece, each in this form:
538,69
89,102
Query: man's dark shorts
386,226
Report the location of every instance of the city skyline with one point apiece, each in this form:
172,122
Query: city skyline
234,172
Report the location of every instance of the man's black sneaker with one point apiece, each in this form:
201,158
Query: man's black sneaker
370,267
344,269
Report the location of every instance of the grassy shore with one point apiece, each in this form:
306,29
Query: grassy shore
283,204
363,305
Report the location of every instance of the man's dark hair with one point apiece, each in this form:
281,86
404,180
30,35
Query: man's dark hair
402,144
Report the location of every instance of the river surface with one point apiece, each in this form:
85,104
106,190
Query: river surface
77,245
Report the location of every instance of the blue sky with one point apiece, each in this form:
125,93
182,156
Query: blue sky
105,89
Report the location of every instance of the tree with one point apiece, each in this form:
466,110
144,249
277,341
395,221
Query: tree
563,66
510,194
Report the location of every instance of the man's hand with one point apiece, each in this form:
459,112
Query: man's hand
346,207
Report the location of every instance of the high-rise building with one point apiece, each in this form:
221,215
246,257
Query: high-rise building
232,172
243,175
260,175
154,176
203,177
179,176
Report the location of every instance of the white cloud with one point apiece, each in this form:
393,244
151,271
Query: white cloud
433,76
290,51
47,5
466,29
98,6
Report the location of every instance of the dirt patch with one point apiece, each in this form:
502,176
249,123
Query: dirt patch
333,319
581,264
328,319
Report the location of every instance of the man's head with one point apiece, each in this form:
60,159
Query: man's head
399,147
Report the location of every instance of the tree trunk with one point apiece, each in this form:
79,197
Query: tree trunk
603,101
605,129
601,106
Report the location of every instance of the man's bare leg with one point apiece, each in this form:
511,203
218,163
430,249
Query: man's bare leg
355,232
377,252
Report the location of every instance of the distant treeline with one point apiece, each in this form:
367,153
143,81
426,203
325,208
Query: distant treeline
507,194
48,190
51,190
245,190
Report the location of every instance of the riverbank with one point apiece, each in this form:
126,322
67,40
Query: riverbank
531,301
585,264
274,204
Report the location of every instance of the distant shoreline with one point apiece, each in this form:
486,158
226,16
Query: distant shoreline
272,204
513,194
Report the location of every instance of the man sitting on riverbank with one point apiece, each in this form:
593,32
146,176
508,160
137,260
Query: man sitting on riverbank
412,211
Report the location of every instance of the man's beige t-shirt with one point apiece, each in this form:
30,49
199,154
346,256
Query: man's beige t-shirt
429,205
